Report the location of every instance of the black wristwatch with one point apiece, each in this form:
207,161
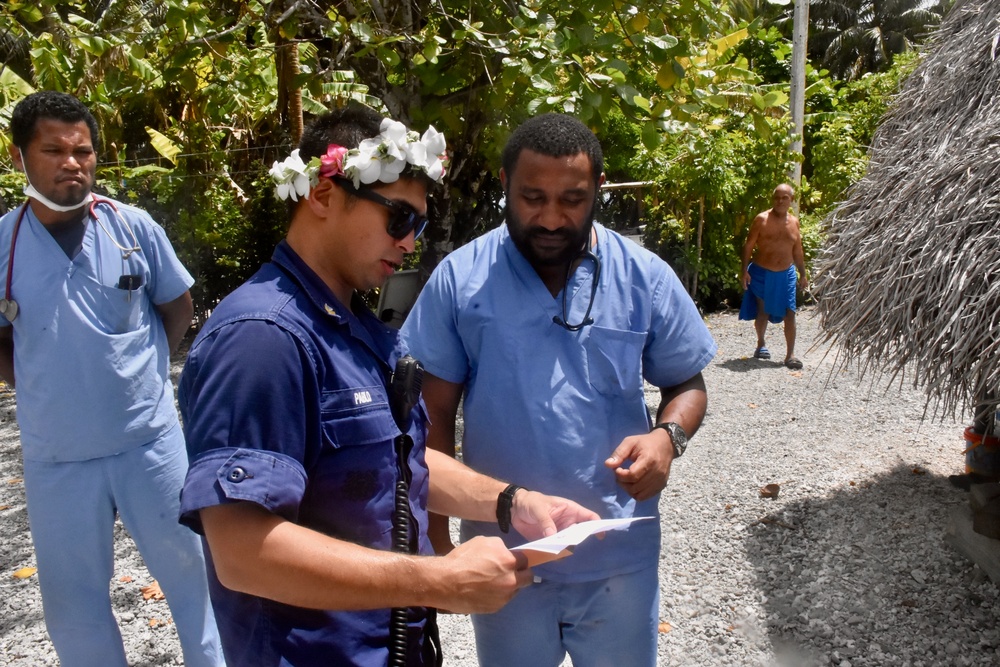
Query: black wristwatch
504,503
677,436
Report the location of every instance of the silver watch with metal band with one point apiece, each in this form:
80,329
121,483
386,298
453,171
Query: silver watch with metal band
678,437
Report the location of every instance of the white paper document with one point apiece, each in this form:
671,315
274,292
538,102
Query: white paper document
561,544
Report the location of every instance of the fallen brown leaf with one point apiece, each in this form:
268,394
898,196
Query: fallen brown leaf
4,507
126,579
752,406
919,471
665,628
770,491
25,572
152,592
796,374
16,480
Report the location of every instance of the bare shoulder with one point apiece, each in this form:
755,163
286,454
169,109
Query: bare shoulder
759,220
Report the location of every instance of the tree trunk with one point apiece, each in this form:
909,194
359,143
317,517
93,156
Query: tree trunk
286,55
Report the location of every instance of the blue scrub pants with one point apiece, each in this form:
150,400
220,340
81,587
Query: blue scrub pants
71,508
606,623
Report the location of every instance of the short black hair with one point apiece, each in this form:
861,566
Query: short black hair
53,105
347,127
554,135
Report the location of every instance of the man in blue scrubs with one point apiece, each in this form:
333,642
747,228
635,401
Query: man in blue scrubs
548,325
294,476
94,303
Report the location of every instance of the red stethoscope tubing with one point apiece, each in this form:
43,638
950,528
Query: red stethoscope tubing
94,201
10,258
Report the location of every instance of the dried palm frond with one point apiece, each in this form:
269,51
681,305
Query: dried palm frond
909,279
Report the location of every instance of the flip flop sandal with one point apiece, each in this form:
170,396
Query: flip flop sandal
793,364
762,353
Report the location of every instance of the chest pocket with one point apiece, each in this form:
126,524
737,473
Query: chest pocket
119,309
614,360
357,416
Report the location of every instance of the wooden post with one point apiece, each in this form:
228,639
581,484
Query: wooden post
797,96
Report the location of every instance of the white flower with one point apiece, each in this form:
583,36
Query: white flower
435,170
416,154
378,159
394,133
433,141
392,169
364,165
292,177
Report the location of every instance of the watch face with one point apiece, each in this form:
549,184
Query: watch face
679,438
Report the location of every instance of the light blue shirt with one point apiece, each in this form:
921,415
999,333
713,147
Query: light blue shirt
91,359
545,406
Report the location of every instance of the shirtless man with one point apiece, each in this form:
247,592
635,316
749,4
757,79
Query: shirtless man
769,281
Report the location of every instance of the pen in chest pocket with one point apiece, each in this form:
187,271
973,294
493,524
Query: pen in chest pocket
130,282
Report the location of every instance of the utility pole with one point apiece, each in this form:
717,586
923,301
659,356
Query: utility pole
797,101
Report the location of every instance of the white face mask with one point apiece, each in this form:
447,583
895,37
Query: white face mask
30,191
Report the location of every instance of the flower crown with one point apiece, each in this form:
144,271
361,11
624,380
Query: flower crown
382,158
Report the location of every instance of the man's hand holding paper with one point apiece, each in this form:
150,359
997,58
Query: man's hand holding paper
536,515
561,544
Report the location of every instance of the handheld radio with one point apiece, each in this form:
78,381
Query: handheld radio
404,390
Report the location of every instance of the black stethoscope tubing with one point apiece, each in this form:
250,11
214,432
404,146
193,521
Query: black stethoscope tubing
584,254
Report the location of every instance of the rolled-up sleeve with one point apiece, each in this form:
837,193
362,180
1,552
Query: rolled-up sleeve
274,481
249,402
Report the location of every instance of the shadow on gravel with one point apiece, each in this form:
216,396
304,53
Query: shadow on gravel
863,577
162,660
745,365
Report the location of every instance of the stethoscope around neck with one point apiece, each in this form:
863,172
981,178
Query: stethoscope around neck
585,254
8,307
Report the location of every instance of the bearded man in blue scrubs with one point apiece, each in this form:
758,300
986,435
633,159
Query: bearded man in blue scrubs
95,300
548,325
296,480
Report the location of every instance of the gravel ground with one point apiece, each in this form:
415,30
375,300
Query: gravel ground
846,567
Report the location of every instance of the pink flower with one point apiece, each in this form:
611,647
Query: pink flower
332,164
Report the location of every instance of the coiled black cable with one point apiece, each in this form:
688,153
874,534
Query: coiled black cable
404,394
401,543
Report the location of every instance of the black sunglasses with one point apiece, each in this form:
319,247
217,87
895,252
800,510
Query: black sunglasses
403,220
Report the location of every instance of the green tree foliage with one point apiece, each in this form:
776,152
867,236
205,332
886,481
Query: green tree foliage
196,99
713,174
476,71
187,97
209,91
709,185
852,37
838,139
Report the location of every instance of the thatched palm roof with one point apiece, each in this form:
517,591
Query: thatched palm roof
909,280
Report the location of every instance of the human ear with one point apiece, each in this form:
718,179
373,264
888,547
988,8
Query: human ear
321,198
15,156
